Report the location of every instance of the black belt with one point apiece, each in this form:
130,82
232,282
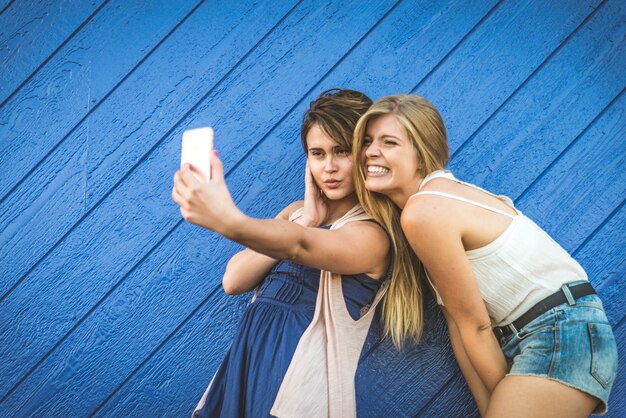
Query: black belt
555,299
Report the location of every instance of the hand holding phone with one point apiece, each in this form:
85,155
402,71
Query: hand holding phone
196,150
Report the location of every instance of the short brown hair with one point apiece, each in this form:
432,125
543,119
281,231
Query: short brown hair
337,112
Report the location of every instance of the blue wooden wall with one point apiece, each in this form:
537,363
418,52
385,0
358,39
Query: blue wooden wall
110,305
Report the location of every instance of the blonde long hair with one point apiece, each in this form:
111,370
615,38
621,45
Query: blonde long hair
402,313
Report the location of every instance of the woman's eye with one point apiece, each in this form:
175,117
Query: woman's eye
341,151
367,141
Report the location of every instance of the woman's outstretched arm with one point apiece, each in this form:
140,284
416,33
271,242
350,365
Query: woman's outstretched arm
359,247
434,230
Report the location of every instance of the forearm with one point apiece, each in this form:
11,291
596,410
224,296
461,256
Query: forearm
245,271
275,238
485,355
474,382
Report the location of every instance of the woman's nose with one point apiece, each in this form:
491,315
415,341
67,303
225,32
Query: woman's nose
372,150
329,164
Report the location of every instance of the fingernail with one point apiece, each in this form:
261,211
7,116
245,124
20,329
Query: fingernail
215,153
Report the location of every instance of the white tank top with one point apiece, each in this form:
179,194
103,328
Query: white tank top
519,268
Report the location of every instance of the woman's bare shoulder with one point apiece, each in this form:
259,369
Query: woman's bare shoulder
290,209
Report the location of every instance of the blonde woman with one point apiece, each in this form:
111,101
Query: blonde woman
296,350
551,351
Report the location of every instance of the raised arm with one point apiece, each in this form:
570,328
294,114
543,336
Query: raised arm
434,231
247,268
358,247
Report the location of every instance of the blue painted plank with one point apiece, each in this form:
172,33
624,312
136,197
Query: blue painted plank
4,5
233,36
78,78
603,259
414,381
30,32
597,157
65,185
551,109
156,163
496,59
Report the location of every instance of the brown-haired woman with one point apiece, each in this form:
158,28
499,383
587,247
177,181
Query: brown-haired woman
297,348
552,351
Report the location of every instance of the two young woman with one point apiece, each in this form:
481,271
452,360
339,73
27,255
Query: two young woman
296,350
552,351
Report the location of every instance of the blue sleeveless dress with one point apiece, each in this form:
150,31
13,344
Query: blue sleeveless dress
249,378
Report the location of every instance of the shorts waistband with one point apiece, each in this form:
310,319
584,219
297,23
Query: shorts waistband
568,293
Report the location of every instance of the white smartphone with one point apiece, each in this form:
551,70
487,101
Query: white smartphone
196,150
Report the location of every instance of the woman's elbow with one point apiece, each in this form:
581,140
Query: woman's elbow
229,289
229,284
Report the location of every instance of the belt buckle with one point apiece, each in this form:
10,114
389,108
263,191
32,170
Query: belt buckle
498,333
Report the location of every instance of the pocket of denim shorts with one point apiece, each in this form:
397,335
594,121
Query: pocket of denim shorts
603,354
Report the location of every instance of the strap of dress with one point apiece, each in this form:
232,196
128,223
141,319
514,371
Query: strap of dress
462,199
448,175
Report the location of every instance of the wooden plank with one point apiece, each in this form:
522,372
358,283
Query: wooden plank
4,5
329,49
64,185
30,32
240,33
550,109
604,260
570,207
78,78
501,54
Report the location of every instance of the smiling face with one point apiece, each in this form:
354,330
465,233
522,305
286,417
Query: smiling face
330,164
389,159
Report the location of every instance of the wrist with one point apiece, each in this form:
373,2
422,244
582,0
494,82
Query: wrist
232,225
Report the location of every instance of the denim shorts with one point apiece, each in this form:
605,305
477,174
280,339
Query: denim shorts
571,344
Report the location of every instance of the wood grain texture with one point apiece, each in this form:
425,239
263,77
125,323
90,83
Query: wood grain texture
495,60
71,179
113,306
66,184
30,32
82,74
551,109
585,182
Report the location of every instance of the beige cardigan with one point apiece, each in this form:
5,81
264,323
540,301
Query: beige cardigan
320,379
